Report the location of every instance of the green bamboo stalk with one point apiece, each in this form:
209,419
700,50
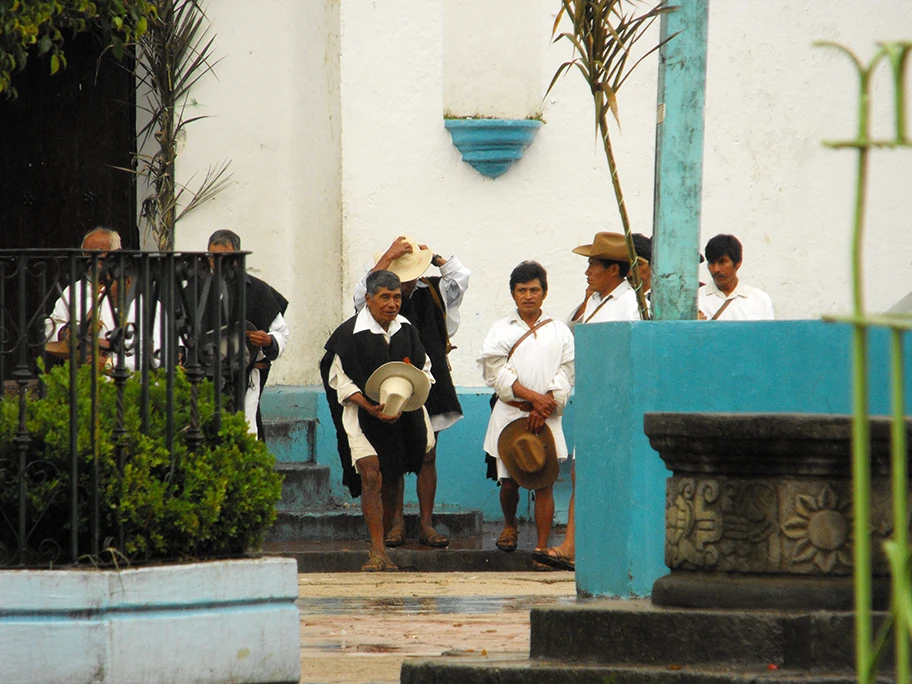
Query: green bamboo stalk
602,52
625,220
900,485
861,438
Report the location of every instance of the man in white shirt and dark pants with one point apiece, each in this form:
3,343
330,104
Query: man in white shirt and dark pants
726,298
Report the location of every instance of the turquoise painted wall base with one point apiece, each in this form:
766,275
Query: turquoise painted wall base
461,481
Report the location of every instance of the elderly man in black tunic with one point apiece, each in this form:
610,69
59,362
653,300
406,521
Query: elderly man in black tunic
375,449
432,305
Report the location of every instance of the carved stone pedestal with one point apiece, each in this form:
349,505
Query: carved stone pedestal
758,511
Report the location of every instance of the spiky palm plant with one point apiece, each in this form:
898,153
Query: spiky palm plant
172,56
604,32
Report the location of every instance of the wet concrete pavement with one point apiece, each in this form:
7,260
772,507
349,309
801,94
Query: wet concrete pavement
359,627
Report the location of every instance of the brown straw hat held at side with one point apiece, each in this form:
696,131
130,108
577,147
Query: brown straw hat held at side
530,459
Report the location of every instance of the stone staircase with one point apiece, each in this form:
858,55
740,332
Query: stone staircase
326,533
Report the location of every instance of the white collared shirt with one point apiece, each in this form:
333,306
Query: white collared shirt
454,281
543,362
748,303
619,305
59,319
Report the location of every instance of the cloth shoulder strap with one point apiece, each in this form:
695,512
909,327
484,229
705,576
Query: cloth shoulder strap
601,304
436,297
530,331
722,308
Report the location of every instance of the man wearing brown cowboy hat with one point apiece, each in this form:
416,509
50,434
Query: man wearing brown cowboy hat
609,297
377,446
431,304
527,358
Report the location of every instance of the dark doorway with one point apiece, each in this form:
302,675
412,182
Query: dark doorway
59,144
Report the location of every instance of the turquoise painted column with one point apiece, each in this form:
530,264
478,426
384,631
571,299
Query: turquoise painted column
679,162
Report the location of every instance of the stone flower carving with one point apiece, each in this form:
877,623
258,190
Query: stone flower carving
821,530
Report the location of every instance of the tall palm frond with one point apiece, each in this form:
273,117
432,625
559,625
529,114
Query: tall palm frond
172,56
604,33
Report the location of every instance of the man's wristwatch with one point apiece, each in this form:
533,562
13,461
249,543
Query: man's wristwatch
434,260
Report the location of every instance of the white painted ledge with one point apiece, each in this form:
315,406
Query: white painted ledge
214,622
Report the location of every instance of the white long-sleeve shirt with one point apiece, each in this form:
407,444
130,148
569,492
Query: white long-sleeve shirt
454,281
279,332
543,362
59,319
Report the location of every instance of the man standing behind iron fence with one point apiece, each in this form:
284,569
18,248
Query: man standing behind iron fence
110,306
379,440
527,358
431,304
56,326
267,333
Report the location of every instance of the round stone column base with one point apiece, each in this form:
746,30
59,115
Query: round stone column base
682,589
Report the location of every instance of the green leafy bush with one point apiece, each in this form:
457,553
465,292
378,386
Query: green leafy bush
216,500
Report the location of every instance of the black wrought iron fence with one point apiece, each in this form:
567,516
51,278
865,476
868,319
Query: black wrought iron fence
107,341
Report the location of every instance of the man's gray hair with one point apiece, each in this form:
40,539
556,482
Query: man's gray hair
226,238
378,280
114,241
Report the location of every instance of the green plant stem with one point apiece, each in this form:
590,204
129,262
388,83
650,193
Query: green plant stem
900,484
622,210
861,461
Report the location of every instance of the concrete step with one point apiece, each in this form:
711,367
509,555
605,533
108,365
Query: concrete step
475,553
292,440
459,669
634,642
306,486
346,523
620,635
423,559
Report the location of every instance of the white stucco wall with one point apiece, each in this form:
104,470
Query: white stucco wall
772,98
275,115
332,113
402,174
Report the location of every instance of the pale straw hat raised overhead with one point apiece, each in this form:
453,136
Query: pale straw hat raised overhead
530,459
399,386
412,265
611,246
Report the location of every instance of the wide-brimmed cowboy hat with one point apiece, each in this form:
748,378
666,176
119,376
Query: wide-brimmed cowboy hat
399,386
412,265
530,459
611,246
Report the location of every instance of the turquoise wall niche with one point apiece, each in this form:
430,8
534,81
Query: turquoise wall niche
625,370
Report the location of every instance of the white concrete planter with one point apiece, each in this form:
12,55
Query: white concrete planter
214,622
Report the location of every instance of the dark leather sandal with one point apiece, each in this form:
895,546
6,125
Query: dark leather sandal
379,564
396,537
434,539
507,540
554,558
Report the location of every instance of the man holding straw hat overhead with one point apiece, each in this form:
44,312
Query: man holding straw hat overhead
377,377
431,304
527,358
